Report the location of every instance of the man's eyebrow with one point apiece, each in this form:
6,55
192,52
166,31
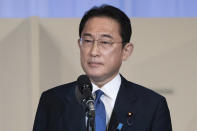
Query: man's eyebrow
102,35
106,35
87,34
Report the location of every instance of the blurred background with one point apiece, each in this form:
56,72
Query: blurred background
76,8
38,51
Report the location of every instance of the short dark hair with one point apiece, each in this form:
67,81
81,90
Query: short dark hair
110,12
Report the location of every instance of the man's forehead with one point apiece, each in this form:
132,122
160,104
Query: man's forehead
101,27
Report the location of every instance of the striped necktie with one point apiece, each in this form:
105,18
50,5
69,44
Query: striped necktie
100,118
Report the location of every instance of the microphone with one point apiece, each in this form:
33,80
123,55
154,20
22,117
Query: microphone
83,92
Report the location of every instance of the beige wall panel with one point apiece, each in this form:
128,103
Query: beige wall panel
59,54
8,25
15,76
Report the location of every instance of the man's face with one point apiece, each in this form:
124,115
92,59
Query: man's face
101,64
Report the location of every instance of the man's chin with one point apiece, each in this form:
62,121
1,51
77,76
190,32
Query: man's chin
94,76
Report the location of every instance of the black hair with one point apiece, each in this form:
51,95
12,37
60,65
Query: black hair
110,12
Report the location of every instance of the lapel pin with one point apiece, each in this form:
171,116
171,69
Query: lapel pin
129,120
129,114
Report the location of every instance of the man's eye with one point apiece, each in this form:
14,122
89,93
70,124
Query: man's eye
88,41
105,42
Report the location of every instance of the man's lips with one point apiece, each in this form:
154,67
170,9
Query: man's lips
94,64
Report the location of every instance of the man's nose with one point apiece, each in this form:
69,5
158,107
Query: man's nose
95,48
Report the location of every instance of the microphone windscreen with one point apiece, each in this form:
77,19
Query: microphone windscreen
83,89
84,83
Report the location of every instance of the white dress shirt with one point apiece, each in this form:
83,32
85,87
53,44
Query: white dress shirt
110,91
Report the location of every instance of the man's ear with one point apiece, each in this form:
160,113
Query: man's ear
79,43
127,50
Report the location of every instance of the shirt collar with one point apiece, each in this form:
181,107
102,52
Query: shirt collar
111,88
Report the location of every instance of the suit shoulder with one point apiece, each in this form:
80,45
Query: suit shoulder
148,98
144,93
61,90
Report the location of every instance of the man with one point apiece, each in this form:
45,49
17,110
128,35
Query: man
104,43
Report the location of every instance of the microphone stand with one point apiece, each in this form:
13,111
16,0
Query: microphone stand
90,113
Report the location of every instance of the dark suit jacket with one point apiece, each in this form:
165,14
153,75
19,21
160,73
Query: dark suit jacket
136,107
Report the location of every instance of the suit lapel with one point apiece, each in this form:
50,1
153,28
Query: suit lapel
124,110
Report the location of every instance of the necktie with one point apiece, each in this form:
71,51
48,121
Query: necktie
100,118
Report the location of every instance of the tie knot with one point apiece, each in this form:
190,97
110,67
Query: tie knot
98,93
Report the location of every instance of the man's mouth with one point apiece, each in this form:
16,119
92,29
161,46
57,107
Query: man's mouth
94,64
